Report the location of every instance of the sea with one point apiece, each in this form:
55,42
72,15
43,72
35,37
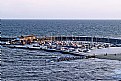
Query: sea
38,65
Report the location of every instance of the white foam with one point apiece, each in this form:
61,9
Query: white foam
117,71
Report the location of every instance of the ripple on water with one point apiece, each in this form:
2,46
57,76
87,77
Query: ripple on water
31,65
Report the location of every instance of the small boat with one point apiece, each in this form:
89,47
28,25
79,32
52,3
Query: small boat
51,49
11,46
99,47
44,47
65,50
86,50
92,48
76,51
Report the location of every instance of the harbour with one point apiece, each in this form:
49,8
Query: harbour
84,46
60,40
74,38
20,63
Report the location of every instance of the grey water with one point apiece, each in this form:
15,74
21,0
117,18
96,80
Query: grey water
37,65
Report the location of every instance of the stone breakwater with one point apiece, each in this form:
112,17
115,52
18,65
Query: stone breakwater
74,38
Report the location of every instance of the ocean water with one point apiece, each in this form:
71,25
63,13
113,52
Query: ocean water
38,65
108,28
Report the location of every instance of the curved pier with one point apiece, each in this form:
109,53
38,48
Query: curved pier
62,40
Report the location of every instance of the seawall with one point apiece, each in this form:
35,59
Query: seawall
76,38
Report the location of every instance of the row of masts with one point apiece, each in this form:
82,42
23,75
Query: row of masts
84,38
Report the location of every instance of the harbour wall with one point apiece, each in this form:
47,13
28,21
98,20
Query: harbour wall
6,39
86,38
76,38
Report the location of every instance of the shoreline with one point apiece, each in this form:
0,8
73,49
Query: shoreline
109,56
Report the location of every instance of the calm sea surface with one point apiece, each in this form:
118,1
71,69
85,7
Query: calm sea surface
37,65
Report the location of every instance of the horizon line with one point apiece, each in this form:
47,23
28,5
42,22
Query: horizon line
60,18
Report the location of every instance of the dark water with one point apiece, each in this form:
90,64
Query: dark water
36,65
61,27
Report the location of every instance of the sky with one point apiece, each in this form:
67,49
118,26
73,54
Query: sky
60,9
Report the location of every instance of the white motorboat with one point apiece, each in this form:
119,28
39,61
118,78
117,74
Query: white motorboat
65,50
76,51
44,47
